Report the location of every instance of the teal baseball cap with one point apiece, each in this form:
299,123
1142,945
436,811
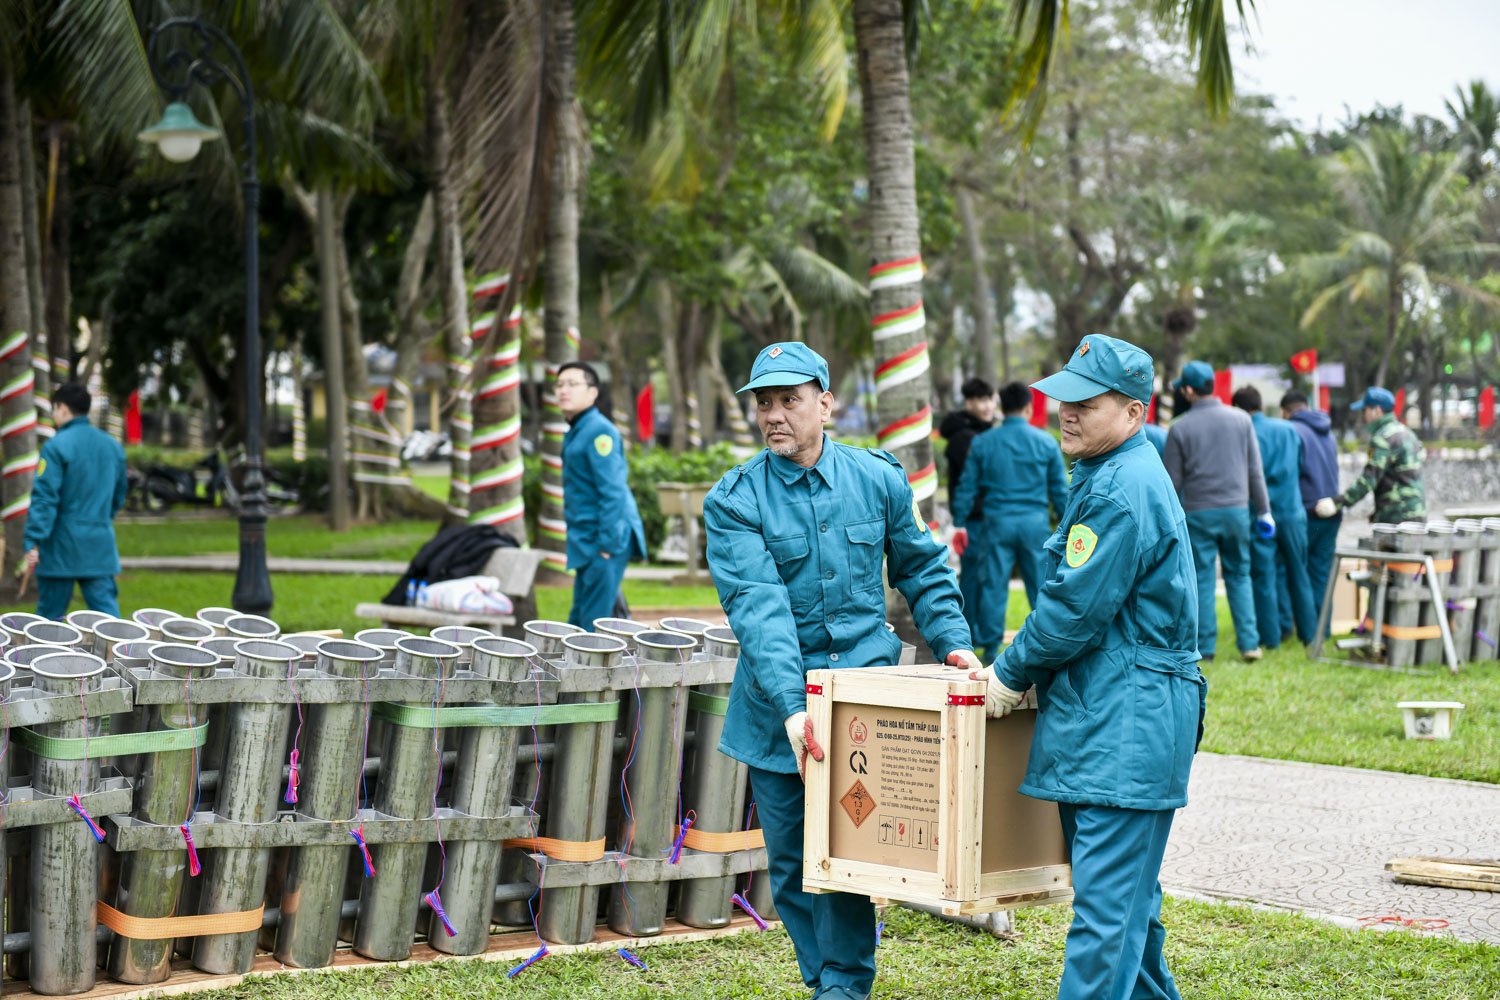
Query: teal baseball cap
1100,364
1196,375
787,363
1375,396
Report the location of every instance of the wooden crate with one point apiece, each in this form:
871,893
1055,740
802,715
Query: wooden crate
916,797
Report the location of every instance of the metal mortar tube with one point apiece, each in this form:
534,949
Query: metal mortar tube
251,627
14,623
714,787
462,636
166,784
579,804
409,770
308,643
1404,598
481,787
216,617
621,628
64,856
547,636
84,621
152,618
188,630
113,631
1487,612
1439,545
333,757
1467,553
656,723
53,634
695,627
383,639
234,878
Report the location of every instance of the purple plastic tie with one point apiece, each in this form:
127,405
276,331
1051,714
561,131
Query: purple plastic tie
194,868
879,929
627,956
94,827
1488,641
675,854
541,953
436,902
359,838
744,904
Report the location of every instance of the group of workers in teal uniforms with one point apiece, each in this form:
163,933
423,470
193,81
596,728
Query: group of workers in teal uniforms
80,486
1012,473
796,539
1278,559
604,525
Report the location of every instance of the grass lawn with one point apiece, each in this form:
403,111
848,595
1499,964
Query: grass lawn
1215,951
303,536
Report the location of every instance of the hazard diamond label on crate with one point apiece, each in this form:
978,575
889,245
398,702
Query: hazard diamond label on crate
858,803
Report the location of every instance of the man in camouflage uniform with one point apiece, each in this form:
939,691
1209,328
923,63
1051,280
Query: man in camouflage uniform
1394,470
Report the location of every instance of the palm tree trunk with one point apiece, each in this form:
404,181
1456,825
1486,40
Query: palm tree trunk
622,386
40,362
903,381
984,306
560,272
325,236
496,470
451,293
1392,324
57,255
17,408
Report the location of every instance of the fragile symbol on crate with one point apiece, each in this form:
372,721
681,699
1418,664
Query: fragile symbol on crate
858,803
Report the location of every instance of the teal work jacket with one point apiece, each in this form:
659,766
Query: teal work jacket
597,502
1010,468
79,488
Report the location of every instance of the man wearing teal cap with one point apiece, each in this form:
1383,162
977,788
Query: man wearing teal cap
796,537
1394,469
1111,648
1213,459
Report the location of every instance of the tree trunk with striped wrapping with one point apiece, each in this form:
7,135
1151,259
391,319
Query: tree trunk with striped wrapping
560,276
495,469
40,361
903,382
17,406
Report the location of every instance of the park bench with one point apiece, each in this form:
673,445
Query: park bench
514,568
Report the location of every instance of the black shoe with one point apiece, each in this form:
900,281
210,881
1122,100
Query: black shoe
1206,659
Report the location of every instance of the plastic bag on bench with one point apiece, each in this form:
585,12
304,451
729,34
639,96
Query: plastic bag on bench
469,594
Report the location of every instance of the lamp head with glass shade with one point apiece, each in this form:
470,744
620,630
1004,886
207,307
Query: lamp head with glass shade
179,134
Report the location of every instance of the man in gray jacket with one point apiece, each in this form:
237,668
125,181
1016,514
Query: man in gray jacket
1214,461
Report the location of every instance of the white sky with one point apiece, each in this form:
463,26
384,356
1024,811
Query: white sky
1315,56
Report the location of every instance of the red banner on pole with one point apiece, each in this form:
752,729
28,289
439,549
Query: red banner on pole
1151,410
1325,399
1486,407
1401,405
133,418
1224,385
645,415
1038,408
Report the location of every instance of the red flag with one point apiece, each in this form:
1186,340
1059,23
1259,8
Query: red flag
1224,385
1038,408
1325,399
1305,361
645,414
1487,407
133,418
1151,410
1401,405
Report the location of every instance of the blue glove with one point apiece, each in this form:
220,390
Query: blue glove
1266,526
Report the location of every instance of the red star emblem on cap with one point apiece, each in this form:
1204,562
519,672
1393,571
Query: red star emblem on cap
1083,348
775,352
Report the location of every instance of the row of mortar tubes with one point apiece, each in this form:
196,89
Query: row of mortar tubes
1470,588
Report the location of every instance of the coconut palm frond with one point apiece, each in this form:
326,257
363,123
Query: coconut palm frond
816,281
101,54
327,69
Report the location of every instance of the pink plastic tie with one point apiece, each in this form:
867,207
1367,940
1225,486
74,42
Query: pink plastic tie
295,778
194,868
541,953
359,838
744,904
676,854
80,810
434,901
627,956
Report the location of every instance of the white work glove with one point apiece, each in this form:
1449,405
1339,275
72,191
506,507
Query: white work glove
799,733
964,658
1326,507
999,700
1267,525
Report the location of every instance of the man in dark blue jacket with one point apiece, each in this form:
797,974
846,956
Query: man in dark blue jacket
604,526
1319,478
80,487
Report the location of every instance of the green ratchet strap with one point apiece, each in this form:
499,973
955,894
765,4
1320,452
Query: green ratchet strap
712,704
118,745
420,716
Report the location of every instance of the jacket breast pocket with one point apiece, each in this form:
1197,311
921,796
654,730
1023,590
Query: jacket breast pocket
790,552
866,549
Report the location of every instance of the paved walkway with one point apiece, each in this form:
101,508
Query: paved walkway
1315,839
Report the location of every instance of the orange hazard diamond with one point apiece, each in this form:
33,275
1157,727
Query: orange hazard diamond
858,803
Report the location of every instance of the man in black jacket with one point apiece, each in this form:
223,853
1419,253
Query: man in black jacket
959,429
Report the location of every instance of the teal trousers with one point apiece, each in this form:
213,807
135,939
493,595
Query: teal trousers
54,593
1222,537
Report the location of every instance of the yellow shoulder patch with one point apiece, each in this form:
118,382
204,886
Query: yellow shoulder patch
916,512
604,444
41,466
1081,542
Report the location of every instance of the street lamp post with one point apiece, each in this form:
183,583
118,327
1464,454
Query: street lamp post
179,135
